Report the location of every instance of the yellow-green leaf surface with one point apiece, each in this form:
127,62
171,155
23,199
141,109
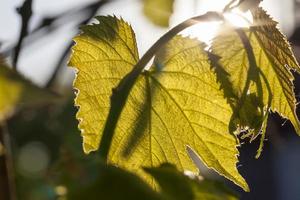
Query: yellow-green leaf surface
159,11
178,103
273,60
16,92
103,54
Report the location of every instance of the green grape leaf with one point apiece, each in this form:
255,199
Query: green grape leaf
238,76
103,54
257,61
177,103
16,92
159,11
177,186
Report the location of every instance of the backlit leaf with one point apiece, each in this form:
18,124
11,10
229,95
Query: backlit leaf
103,54
258,61
177,103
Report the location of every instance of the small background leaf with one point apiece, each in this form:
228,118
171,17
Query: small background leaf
16,92
159,11
115,184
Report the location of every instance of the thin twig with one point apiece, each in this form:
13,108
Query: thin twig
59,65
25,12
50,24
93,8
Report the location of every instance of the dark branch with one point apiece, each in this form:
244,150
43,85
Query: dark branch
25,12
92,9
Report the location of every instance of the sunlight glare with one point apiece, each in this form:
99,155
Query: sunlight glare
238,18
204,32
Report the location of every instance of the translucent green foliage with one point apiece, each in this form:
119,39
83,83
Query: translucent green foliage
255,66
177,103
190,97
103,54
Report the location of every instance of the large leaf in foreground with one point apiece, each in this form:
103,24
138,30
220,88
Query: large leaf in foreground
266,62
159,11
167,109
188,108
16,92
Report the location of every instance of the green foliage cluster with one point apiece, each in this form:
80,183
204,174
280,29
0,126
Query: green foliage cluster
190,97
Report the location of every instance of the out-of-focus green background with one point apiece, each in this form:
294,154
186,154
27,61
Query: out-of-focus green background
48,161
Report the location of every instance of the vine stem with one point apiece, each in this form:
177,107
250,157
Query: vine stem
121,92
8,163
25,12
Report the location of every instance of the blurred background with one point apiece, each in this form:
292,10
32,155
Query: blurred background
47,157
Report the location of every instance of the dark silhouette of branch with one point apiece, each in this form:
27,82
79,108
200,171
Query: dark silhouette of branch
59,65
51,23
92,10
25,12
